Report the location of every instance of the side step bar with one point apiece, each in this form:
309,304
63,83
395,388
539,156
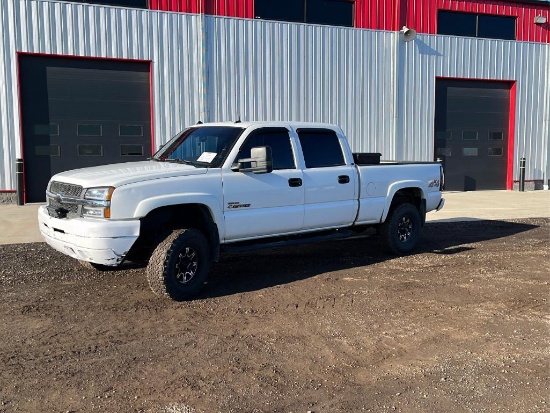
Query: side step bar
286,241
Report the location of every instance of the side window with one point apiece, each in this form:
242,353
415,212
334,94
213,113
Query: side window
279,141
321,148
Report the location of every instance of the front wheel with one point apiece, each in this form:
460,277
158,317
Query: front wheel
402,228
179,265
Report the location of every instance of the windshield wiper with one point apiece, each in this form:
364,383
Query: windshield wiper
186,162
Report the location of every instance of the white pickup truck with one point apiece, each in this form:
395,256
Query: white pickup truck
234,186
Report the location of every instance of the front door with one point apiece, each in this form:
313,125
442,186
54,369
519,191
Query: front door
264,204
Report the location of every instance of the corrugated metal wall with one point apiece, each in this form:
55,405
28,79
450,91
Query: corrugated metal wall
379,89
282,71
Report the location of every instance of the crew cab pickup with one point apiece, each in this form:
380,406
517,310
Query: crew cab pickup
229,187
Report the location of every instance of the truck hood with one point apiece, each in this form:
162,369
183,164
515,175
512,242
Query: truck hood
125,173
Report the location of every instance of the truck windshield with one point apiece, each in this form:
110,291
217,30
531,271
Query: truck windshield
205,146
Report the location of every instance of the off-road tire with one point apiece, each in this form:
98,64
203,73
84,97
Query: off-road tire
179,265
402,229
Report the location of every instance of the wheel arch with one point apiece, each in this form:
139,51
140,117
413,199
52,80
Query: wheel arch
164,218
410,191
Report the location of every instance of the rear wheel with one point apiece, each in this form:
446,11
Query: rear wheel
402,228
179,265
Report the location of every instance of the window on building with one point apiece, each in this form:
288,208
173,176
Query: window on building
137,4
330,12
90,150
130,130
321,148
131,150
476,25
88,130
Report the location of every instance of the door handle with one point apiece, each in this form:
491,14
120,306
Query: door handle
294,182
343,179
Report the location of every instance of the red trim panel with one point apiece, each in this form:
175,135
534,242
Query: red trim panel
152,107
511,140
421,15
378,15
230,8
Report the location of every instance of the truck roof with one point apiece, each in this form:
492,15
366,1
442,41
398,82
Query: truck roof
294,125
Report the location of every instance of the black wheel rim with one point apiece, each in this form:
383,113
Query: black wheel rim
404,229
187,264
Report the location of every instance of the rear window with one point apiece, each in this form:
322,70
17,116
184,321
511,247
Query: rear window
321,148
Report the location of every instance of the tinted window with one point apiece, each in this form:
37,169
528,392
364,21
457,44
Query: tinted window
321,148
130,130
286,10
456,24
496,27
331,12
476,25
90,150
138,4
88,130
131,150
278,140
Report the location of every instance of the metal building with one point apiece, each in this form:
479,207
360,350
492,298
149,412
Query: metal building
93,82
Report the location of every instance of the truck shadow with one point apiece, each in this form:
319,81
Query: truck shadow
252,271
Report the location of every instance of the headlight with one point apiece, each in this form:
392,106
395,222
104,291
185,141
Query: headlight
99,194
98,203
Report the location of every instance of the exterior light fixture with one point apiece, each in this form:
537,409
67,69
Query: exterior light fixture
408,34
540,19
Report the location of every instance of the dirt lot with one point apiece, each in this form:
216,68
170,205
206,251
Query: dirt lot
461,326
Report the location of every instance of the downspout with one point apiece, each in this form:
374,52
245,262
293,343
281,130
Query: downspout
204,113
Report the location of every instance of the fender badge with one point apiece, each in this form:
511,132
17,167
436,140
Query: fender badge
235,205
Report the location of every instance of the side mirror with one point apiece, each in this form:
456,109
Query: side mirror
261,161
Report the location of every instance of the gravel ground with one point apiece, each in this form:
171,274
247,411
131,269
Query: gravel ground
460,326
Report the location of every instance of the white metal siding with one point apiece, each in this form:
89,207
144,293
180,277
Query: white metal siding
283,71
379,89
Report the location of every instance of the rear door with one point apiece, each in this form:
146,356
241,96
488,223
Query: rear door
329,181
264,204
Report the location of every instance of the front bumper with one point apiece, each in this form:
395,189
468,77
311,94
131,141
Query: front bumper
89,239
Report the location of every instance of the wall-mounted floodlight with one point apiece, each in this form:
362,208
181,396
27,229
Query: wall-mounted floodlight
540,19
408,34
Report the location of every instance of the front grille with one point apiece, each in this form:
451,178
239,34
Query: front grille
73,209
60,188
63,189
